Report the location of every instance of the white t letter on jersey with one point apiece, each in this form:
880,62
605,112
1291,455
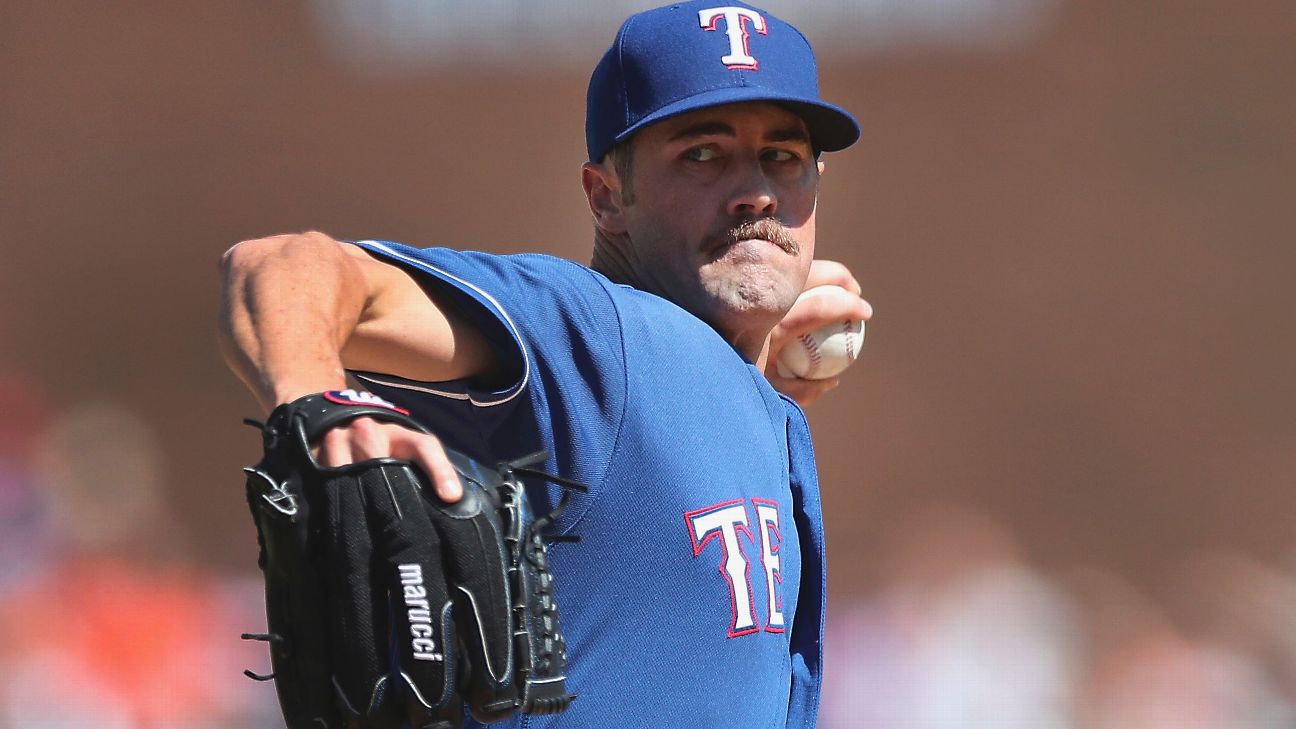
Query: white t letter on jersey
736,28
767,521
726,520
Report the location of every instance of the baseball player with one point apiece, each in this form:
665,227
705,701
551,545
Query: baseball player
695,595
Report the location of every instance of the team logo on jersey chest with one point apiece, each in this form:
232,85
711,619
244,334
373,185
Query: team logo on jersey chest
728,524
737,22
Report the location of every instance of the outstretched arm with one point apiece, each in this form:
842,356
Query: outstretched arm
368,582
298,310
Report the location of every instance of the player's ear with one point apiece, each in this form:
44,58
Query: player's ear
603,193
821,167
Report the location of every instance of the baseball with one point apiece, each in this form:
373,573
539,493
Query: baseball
824,352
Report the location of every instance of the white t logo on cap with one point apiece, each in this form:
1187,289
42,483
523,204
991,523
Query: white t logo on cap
736,28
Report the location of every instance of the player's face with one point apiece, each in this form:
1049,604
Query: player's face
722,219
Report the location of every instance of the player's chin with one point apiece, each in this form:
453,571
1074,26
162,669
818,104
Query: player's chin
764,273
753,292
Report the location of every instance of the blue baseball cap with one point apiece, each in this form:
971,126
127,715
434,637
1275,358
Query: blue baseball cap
693,55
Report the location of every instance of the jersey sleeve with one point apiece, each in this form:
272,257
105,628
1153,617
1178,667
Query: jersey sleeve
554,326
479,288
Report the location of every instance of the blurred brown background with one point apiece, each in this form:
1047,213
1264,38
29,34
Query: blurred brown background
1077,237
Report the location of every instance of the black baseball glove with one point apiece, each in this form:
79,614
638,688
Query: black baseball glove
386,604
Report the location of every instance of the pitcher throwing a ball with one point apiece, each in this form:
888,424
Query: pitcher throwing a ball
695,594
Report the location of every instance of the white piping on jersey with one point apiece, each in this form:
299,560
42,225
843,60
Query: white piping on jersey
513,330
412,388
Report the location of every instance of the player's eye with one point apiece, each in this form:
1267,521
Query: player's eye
700,154
779,155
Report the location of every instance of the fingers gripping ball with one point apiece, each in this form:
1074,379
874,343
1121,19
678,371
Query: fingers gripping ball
825,352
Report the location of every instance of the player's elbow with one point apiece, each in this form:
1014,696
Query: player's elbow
246,255
249,255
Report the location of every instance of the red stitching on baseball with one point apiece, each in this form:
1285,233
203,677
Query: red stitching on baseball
812,351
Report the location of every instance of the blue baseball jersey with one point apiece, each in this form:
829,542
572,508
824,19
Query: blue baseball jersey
695,595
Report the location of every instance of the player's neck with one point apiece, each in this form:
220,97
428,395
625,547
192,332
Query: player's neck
610,260
753,344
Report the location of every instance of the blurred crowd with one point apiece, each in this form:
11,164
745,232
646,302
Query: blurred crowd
963,632
107,621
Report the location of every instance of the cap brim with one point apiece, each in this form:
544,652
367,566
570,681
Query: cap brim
831,127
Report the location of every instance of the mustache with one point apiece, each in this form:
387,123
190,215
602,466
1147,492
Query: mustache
759,229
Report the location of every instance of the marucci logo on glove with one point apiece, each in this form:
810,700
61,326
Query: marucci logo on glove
420,613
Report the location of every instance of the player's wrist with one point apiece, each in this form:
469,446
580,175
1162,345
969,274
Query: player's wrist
284,392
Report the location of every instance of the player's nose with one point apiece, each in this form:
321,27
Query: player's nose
753,194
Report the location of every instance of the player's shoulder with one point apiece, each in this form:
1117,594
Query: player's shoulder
533,278
553,271
532,269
